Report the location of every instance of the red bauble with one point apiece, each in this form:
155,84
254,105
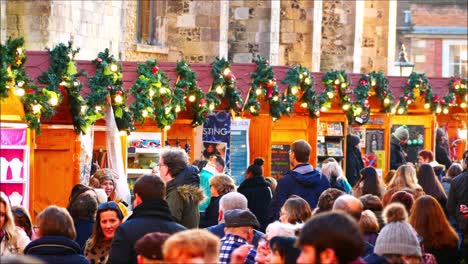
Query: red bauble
267,62
109,88
364,82
30,91
119,92
269,84
154,70
202,102
99,60
230,76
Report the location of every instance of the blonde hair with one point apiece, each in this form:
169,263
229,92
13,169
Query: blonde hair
368,222
192,243
405,176
9,226
223,183
56,221
333,169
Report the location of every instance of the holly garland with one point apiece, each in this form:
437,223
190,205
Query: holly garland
418,86
187,80
457,87
224,86
336,85
373,84
154,97
264,85
106,88
300,83
62,75
15,81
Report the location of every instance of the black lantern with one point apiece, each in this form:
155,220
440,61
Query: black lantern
406,67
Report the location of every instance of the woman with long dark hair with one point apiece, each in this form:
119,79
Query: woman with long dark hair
369,183
431,184
439,237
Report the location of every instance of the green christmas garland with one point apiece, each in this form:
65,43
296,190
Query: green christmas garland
418,86
153,96
457,86
62,75
187,80
300,83
264,85
224,85
336,85
106,89
14,76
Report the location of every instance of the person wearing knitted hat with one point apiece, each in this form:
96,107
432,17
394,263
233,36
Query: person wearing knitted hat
397,140
397,241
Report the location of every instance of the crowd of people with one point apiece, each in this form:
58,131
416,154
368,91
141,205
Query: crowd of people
184,213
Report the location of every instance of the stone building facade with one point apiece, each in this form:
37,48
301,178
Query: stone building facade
356,36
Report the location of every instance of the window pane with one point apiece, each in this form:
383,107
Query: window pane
144,16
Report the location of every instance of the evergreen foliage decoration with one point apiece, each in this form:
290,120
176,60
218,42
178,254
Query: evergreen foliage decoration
62,75
187,81
224,85
457,88
418,86
300,83
153,96
264,85
336,86
15,81
106,89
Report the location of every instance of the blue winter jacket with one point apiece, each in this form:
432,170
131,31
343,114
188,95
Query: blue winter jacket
56,250
303,181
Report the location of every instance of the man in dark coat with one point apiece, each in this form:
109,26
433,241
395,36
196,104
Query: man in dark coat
397,140
150,214
354,162
442,155
303,180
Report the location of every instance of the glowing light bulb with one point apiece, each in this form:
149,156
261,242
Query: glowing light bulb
258,91
226,71
275,98
19,91
323,108
191,98
386,101
438,109
63,83
462,86
151,93
393,110
372,82
167,110
288,109
307,81
274,119
345,107
53,101
167,127
427,105
330,95
122,133
409,101
445,111
144,113
304,105
83,109
294,90
463,105
76,83
457,86
114,67
36,108
70,55
343,85
358,110
98,108
177,108
211,107
162,90
219,90
337,81
401,110
19,51
118,99
20,83
252,109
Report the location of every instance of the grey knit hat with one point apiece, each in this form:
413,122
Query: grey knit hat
397,237
401,133
440,132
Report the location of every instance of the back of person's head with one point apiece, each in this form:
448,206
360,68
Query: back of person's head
371,202
370,181
350,205
272,182
327,199
397,237
405,198
429,182
223,184
405,176
84,207
150,187
233,200
301,150
192,246
200,164
426,155
369,222
21,259
332,170
149,247
56,221
22,219
296,210
282,229
454,170
336,231
76,191
284,247
465,159
175,159
388,177
256,168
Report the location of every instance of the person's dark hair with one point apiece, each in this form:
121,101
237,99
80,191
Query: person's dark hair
220,161
426,154
22,219
150,245
298,209
371,202
429,182
175,159
206,153
301,150
256,168
200,164
371,182
405,198
454,170
56,221
84,207
285,248
327,199
334,230
97,236
465,159
75,192
150,187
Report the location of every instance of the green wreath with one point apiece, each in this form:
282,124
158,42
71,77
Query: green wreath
418,86
457,86
106,89
336,85
300,83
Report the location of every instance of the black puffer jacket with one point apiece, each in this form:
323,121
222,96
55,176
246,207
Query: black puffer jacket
458,195
56,249
354,162
149,216
397,157
258,194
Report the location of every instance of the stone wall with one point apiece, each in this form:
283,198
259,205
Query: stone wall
3,22
249,30
375,36
296,32
337,35
92,25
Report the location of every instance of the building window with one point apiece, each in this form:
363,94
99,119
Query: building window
454,58
151,22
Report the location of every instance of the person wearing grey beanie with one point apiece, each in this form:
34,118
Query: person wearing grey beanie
397,140
397,241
